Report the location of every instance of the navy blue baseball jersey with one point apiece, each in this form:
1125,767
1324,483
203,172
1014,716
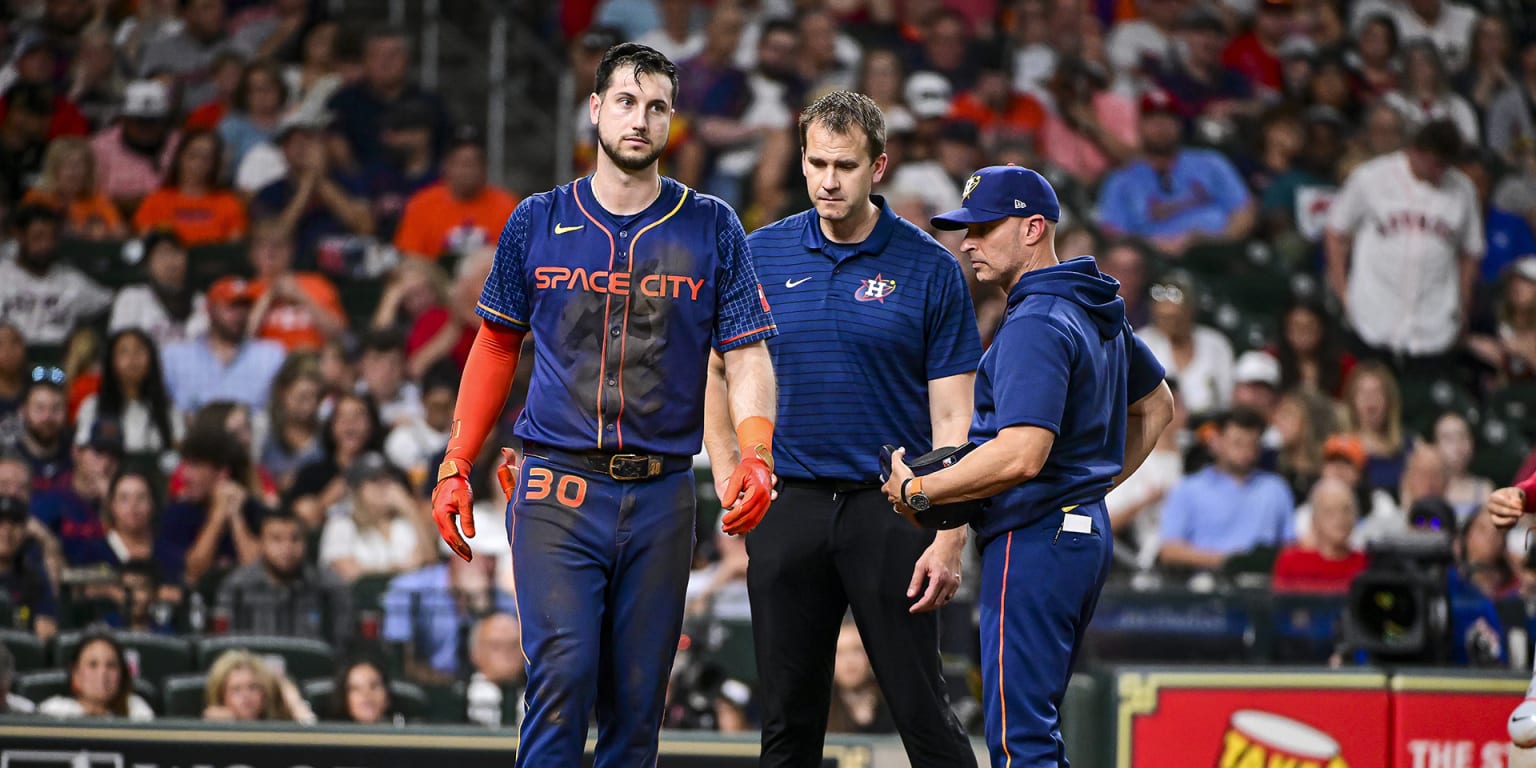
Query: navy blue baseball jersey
865,327
623,312
1065,331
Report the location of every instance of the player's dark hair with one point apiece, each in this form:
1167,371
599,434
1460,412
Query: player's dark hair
841,112
383,341
1246,419
443,375
32,98
25,216
780,24
279,515
642,59
142,567
339,711
386,32
1440,139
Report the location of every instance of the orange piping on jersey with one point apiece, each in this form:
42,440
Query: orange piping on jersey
602,361
624,337
1002,615
511,321
748,333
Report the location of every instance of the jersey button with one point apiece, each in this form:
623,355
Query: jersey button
609,427
613,332
623,234
613,382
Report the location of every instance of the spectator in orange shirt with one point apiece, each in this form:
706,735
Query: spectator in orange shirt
300,310
460,214
1001,114
190,199
68,185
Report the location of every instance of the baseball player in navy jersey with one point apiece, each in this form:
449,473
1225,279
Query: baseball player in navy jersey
1068,402
626,280
878,345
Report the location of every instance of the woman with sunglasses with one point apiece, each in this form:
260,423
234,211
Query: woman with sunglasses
1198,356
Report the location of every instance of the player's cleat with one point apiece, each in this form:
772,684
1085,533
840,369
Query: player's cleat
1522,724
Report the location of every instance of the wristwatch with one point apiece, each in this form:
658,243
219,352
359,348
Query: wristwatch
917,500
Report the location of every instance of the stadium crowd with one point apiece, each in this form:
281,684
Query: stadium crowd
243,248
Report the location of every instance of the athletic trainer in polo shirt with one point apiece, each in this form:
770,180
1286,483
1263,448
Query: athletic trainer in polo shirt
832,541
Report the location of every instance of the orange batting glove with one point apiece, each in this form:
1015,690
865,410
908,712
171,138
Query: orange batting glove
451,498
506,474
750,489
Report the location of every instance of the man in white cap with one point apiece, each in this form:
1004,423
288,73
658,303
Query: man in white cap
133,153
1256,382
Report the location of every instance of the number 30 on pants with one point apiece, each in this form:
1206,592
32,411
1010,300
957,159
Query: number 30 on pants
569,490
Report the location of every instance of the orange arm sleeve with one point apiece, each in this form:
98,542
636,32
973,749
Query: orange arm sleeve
483,390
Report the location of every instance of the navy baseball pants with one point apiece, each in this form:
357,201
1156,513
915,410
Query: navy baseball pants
1039,586
601,570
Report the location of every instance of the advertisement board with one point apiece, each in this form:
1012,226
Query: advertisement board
168,744
1305,719
1445,721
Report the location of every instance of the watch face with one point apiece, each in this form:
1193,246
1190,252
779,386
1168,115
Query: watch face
919,502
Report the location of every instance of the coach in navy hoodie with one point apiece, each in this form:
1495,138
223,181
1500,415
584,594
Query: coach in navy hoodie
1068,402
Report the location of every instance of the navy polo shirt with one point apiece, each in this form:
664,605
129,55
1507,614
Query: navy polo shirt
1064,360
863,328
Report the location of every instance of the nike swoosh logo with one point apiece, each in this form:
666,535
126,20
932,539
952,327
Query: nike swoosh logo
559,230
793,283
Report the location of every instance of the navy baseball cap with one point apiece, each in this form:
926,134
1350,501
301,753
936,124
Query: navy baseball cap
1002,190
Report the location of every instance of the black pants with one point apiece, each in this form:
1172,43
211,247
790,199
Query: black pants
815,555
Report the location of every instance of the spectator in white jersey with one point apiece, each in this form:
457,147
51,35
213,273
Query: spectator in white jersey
45,299
1404,240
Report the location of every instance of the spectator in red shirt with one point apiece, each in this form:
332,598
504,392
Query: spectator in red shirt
33,60
1332,563
1256,53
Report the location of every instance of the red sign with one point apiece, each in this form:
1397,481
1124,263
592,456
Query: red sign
1252,720
1452,722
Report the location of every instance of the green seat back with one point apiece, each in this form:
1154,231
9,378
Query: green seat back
185,695
298,658
155,657
25,648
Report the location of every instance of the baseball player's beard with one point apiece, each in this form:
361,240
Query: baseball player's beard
632,161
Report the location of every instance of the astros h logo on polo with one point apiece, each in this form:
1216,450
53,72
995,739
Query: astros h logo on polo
875,289
970,184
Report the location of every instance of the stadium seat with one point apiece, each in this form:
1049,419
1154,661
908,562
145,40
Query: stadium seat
1304,628
41,684
155,657
407,698
25,648
1501,450
105,261
359,299
298,658
447,703
1169,626
207,263
1515,404
1425,399
1216,258
44,684
184,696
7,612
368,591
729,644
